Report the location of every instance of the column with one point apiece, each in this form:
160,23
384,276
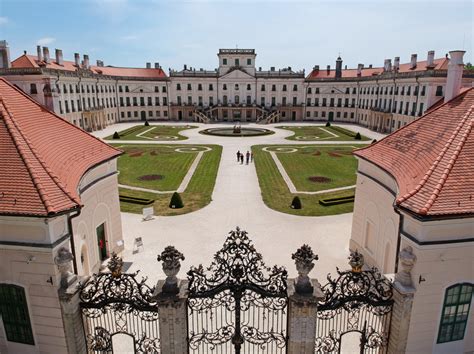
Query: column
304,294
171,297
403,293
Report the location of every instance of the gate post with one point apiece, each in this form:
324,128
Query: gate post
171,297
69,301
304,295
403,293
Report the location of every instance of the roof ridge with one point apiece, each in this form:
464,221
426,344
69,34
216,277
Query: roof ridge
51,174
434,165
451,163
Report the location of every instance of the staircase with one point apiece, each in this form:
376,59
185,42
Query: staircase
200,117
271,118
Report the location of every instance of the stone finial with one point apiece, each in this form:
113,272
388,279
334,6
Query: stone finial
171,265
115,265
356,261
63,261
304,260
407,260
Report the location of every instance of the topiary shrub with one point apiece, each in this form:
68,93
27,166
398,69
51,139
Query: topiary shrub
357,136
296,203
176,202
328,124
116,136
147,124
374,141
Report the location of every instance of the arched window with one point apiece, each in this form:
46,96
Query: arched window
14,312
457,302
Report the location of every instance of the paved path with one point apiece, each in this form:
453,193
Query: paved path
237,201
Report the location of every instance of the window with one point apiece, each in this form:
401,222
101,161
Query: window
237,62
178,87
190,100
199,87
249,61
439,90
211,88
189,87
262,101
142,101
149,101
135,101
236,86
33,89
295,87
248,87
165,101
224,61
284,101
163,89
224,87
294,101
273,101
211,101
316,90
263,88
156,89
284,88
157,101
274,88
309,90
224,99
14,312
126,89
455,313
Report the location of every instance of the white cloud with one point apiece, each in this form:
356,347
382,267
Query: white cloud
45,41
3,20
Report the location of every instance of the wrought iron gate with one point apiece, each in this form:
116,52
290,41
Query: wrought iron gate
357,301
241,305
117,303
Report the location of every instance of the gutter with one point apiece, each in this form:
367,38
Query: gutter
73,247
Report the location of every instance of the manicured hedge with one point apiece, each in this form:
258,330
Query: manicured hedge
296,203
176,202
337,201
135,200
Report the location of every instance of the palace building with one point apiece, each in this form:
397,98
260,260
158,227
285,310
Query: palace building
58,191
415,194
91,97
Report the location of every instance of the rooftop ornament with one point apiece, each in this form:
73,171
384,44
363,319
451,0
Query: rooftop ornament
304,260
171,258
356,261
115,265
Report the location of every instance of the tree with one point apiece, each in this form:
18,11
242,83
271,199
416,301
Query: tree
328,124
146,123
116,136
357,136
296,203
176,202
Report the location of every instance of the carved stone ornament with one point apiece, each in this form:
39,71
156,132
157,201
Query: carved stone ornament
115,265
356,261
63,261
407,260
171,258
304,260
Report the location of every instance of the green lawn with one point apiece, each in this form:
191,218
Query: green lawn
275,192
153,132
196,196
320,133
335,163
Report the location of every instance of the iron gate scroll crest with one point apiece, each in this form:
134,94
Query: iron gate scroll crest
356,301
117,303
237,302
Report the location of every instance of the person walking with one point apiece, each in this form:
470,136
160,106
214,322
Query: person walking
251,156
247,157
241,158
238,156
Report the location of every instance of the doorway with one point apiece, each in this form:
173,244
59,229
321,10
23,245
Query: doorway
331,116
293,115
143,115
101,241
180,115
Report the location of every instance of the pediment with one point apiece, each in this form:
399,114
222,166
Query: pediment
236,73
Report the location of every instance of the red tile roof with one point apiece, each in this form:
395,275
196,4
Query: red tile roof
31,61
42,157
439,64
432,159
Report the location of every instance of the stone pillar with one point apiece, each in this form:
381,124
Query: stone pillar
171,297
304,294
69,301
403,293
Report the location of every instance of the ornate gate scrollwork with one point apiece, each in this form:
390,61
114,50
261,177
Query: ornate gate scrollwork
356,301
237,302
117,303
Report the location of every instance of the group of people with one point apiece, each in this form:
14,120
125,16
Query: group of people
248,157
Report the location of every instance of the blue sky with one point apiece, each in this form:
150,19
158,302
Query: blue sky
299,34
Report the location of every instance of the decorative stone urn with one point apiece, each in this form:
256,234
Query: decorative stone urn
115,265
407,261
171,265
304,261
356,261
63,261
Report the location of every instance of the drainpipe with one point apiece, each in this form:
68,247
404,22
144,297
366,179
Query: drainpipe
399,237
73,247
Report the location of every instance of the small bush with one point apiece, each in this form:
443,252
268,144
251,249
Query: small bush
176,202
357,136
328,124
116,136
296,203
147,124
374,141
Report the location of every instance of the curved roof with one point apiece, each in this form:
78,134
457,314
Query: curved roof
432,159
42,157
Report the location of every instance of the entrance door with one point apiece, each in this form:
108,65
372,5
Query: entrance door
237,115
101,241
143,115
180,115
331,116
293,115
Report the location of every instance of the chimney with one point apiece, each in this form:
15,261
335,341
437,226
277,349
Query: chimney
370,66
316,68
454,79
359,69
100,63
59,57
148,65
328,69
413,61
396,64
46,54
338,68
40,54
157,65
272,68
77,59
4,55
85,62
185,67
387,66
345,67
430,59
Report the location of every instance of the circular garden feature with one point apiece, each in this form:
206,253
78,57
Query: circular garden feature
232,132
